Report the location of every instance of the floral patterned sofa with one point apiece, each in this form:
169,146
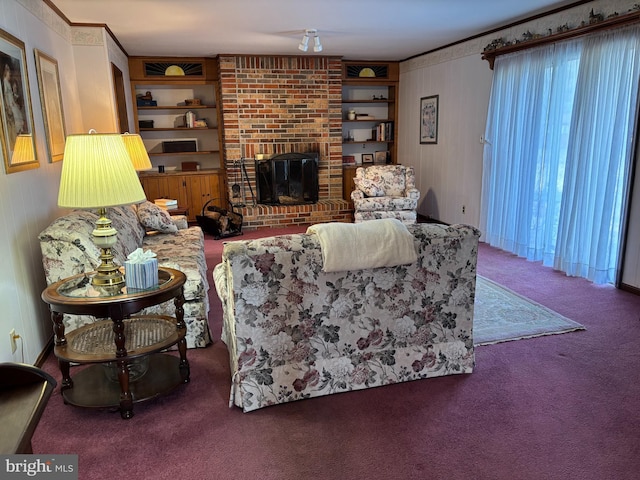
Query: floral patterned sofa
294,331
385,191
68,249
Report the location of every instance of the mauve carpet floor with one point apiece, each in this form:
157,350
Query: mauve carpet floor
556,407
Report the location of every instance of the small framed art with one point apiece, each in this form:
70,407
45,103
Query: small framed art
381,157
429,119
367,158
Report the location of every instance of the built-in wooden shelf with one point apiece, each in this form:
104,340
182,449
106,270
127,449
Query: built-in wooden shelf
174,107
160,129
173,154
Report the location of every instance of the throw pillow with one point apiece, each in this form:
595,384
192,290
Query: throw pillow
152,217
369,188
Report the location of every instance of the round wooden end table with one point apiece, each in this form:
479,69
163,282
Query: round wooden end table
124,348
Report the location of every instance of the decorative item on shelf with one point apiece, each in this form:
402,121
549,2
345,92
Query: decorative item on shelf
367,158
189,119
174,71
179,146
145,100
137,151
192,101
381,157
365,116
190,166
145,123
97,173
351,115
348,160
202,123
367,71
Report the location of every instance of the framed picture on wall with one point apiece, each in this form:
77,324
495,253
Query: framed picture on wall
429,119
16,116
51,100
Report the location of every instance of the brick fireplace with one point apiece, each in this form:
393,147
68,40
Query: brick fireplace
273,105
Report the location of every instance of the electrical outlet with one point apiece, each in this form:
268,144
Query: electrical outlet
13,336
464,209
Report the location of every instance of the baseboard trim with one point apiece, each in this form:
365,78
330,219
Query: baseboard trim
429,219
630,288
48,348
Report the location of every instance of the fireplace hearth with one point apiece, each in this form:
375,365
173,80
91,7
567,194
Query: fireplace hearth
288,179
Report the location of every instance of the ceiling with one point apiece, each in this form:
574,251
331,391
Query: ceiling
353,29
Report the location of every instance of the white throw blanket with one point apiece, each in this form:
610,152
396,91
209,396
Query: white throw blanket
356,246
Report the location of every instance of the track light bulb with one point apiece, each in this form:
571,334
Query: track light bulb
304,44
317,47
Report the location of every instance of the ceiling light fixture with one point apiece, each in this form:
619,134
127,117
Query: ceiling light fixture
304,43
317,47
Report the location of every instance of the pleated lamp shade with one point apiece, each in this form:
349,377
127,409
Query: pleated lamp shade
97,173
137,151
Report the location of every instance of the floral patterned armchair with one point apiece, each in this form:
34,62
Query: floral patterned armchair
385,191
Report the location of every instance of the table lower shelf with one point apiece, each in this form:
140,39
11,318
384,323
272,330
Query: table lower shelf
91,387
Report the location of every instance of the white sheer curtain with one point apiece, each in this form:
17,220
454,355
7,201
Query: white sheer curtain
556,167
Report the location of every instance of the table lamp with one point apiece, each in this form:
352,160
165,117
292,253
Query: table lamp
98,173
137,151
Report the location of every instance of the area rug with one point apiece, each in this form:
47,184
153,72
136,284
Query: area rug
502,315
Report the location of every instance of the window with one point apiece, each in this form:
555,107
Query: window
556,168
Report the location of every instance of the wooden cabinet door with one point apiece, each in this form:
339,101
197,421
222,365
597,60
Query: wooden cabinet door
177,189
218,189
155,187
170,186
197,191
191,191
201,189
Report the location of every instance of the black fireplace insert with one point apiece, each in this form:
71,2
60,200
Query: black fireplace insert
288,179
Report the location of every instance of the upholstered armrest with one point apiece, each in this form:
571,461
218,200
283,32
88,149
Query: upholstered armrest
413,193
180,221
357,194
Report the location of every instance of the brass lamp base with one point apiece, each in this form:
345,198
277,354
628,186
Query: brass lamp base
105,237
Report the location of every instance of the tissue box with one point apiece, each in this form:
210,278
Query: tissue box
141,276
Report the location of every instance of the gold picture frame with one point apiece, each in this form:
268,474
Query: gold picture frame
16,116
51,100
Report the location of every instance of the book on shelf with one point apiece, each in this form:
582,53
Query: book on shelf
348,160
383,132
